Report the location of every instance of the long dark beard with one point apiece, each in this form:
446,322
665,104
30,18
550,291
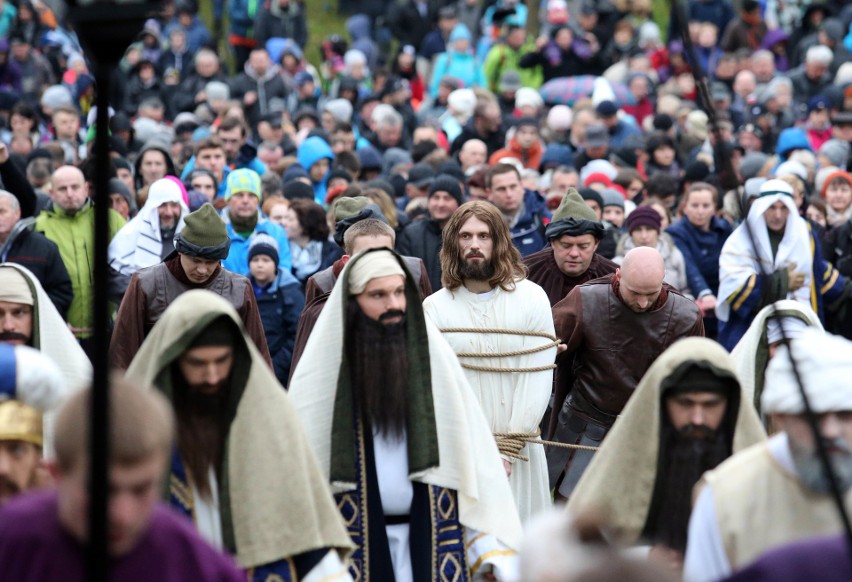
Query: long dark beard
477,270
201,430
685,456
378,361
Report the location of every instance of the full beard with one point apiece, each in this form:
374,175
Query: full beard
378,360
685,456
812,472
201,430
481,270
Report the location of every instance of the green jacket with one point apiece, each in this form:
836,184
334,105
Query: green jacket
502,58
75,237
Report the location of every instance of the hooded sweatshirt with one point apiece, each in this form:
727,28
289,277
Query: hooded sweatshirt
310,152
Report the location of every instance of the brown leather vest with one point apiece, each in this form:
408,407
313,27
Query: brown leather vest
619,345
161,288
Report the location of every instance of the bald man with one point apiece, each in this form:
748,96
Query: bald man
614,328
69,222
474,152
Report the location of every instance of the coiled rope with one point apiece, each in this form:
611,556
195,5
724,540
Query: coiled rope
511,443
554,341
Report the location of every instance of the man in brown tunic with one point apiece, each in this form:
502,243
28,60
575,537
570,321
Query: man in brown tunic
196,264
636,317
570,259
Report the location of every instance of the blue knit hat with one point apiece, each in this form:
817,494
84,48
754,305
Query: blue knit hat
263,244
243,180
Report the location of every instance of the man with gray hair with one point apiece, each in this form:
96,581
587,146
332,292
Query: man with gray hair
777,492
389,128
191,92
763,65
814,76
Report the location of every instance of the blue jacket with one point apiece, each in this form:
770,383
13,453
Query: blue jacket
620,133
761,289
197,34
237,261
220,189
528,233
241,14
792,138
701,251
310,152
461,66
280,304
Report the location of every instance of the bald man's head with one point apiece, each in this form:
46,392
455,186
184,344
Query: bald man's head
641,278
473,153
70,191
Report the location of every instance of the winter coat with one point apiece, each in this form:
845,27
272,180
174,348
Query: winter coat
422,239
74,235
718,12
556,63
242,14
407,25
528,231
41,256
530,158
184,97
461,66
310,152
270,85
280,305
237,261
792,138
274,21
197,35
701,250
502,58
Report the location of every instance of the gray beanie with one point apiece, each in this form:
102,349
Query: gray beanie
836,151
340,109
751,189
752,163
56,96
612,197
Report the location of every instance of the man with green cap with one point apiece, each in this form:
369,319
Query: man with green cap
243,220
195,264
570,259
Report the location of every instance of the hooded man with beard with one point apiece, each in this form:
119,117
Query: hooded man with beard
500,325
241,469
687,415
28,317
777,492
400,436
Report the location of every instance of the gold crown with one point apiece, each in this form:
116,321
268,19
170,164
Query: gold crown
19,422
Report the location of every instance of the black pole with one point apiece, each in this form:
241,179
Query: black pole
104,29
99,435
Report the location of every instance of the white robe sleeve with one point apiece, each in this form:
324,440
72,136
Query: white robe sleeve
485,554
705,559
329,569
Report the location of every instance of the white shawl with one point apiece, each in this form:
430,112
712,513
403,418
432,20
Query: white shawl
139,243
745,353
740,260
469,460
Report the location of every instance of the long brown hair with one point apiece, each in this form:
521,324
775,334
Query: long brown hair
506,259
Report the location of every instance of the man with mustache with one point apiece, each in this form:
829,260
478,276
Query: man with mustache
417,476
686,416
31,385
500,326
777,492
241,467
614,328
29,318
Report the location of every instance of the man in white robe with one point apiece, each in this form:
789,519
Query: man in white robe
400,436
501,327
776,492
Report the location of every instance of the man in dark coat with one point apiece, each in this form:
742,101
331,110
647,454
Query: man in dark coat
190,93
196,264
281,19
614,328
20,244
257,85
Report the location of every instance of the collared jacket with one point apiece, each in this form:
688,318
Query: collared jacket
74,235
237,261
528,231
280,305
701,250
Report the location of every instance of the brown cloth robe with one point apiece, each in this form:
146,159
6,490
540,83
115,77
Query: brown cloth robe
544,272
134,321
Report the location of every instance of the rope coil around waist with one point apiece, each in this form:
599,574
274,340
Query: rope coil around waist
554,341
510,444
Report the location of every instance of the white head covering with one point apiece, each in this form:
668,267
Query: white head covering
14,288
824,363
598,167
792,329
792,167
462,101
372,266
526,96
340,109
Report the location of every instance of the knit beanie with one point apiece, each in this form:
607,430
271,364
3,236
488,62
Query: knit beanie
351,209
836,151
644,216
297,190
263,244
591,194
833,176
448,184
116,186
612,197
244,180
573,206
752,163
340,109
204,235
